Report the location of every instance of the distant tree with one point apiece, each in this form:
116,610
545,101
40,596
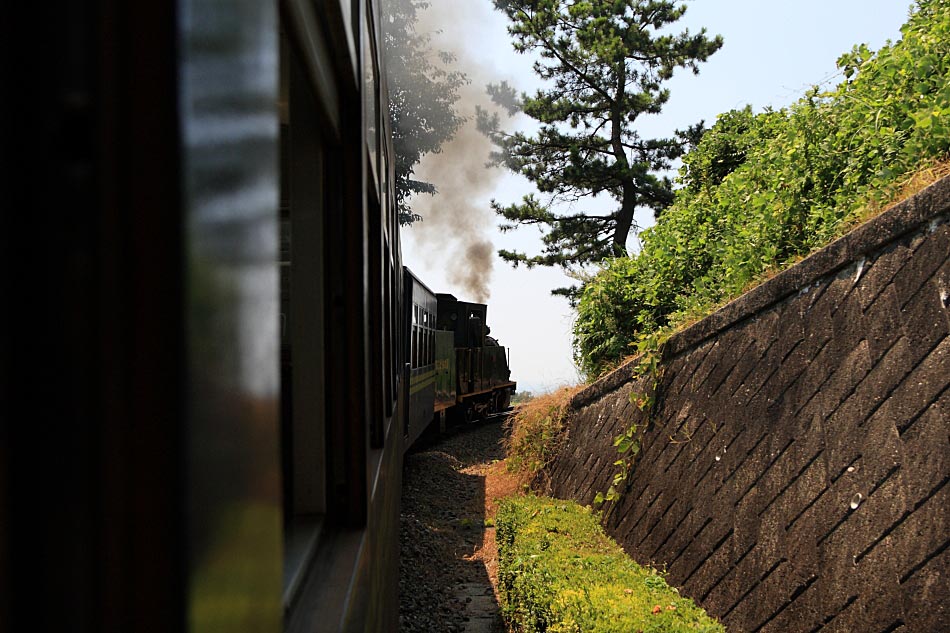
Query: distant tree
521,397
605,62
423,90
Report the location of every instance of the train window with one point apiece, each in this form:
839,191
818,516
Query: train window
303,371
429,335
432,339
370,113
384,172
350,12
420,360
376,310
415,346
388,325
396,328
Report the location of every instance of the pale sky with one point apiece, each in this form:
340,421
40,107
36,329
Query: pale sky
773,52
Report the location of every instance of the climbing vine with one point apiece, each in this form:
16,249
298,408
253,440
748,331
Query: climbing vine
647,372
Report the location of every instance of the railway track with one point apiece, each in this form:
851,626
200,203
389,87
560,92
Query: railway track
447,547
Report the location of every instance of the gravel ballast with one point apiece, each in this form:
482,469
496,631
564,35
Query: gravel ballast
447,553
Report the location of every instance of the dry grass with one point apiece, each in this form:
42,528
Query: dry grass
536,431
924,177
929,173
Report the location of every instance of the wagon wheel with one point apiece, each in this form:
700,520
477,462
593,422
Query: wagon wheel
502,401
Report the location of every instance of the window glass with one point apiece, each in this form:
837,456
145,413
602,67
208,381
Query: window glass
229,135
370,112
415,346
304,189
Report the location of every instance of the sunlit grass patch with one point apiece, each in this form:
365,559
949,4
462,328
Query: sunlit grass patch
559,572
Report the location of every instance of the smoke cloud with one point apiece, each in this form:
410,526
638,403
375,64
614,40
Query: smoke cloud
458,222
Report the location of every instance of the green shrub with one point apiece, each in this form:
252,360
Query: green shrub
762,190
558,572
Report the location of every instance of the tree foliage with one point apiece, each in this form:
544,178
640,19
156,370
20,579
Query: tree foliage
423,90
761,190
605,63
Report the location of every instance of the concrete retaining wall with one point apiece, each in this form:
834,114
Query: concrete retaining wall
794,475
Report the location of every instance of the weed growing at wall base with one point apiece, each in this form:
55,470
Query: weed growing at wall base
536,430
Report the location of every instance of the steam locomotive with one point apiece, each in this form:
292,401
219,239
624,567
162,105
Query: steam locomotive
221,357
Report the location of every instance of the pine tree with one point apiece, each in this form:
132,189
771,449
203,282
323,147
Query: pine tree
605,63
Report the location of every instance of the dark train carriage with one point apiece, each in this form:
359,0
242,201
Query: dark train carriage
203,288
420,305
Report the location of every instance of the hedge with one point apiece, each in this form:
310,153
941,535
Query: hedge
558,572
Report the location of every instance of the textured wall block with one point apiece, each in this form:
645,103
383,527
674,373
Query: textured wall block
793,475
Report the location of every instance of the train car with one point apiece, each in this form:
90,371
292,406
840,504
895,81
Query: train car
457,372
420,305
203,292
208,321
482,376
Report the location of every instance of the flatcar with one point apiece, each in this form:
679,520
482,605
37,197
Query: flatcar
207,371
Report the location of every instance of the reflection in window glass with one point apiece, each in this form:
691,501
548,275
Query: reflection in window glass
415,346
369,106
231,307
